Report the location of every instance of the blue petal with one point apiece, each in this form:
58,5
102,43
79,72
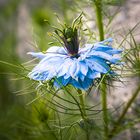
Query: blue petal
76,84
107,49
52,57
48,66
39,55
104,56
59,82
86,48
81,76
82,84
65,81
86,83
72,69
106,42
114,51
93,74
109,40
66,76
102,48
64,68
50,52
57,50
38,76
83,67
97,64
77,72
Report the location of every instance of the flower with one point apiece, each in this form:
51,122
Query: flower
74,65
71,64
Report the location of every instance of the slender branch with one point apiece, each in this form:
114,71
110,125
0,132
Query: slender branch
84,115
103,86
129,103
99,19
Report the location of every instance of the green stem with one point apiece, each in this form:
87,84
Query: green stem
117,124
104,108
84,115
99,19
81,98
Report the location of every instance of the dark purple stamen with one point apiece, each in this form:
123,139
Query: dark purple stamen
70,39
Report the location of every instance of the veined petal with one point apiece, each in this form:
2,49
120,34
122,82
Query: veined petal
98,65
38,76
66,76
46,69
57,50
86,83
114,51
65,67
81,84
89,46
106,43
109,40
104,56
53,51
72,69
47,64
52,59
93,74
78,71
83,67
39,55
102,47
107,49
65,81
52,73
59,82
81,76
86,48
76,84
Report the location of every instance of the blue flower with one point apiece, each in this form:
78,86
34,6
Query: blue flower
79,67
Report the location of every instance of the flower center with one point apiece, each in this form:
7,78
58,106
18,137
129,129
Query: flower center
75,56
70,40
68,36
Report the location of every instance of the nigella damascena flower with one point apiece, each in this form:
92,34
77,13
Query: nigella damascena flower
80,69
73,65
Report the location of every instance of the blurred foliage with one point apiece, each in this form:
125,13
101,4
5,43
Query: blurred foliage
115,2
8,14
